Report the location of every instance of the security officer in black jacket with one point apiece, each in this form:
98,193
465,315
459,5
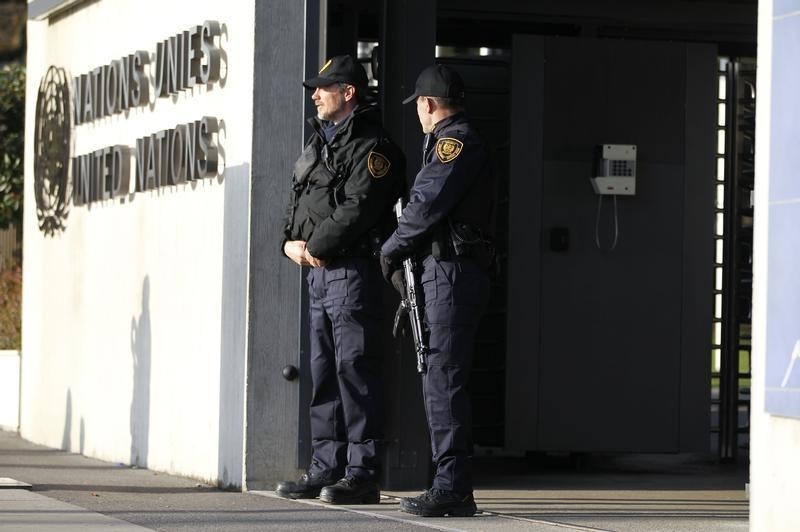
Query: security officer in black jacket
447,225
344,185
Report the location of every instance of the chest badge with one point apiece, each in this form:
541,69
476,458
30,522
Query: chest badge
448,149
377,164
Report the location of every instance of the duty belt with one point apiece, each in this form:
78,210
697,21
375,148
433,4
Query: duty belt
368,245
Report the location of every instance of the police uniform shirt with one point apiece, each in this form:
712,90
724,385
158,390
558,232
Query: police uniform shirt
455,177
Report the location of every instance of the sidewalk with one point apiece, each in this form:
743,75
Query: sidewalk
73,493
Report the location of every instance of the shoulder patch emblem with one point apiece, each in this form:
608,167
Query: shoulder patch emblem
377,164
447,149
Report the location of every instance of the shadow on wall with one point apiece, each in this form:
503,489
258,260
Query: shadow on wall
233,327
66,439
140,402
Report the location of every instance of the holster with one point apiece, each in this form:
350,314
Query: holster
463,240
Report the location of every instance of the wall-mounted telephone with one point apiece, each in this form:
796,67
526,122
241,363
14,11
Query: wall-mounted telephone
614,175
615,170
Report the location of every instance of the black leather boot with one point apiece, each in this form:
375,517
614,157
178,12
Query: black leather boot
307,487
439,503
352,490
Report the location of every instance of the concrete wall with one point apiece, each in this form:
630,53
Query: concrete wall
9,390
135,314
775,462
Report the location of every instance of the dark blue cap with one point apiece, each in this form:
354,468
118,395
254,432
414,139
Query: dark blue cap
438,81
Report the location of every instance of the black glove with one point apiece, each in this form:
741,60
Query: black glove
387,268
398,281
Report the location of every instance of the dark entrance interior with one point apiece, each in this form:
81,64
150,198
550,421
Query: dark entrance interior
585,349
622,330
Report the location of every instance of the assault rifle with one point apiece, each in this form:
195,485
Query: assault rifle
410,306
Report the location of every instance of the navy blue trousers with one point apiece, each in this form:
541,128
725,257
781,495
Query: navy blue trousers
345,367
456,294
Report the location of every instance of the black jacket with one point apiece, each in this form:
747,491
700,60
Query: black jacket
343,188
455,184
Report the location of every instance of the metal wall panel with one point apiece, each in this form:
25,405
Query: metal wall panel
524,242
408,44
275,316
698,250
607,336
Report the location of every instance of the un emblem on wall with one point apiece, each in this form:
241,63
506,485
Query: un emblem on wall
51,149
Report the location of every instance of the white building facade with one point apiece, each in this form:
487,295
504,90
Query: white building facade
135,307
775,432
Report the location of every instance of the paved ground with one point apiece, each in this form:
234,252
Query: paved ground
71,492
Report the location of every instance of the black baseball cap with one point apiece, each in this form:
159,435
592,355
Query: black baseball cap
439,81
339,69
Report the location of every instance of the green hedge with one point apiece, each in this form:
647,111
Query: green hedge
12,139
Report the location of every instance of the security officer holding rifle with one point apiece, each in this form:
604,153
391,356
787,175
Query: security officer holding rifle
446,226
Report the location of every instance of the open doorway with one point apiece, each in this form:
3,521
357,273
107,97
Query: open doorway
648,356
